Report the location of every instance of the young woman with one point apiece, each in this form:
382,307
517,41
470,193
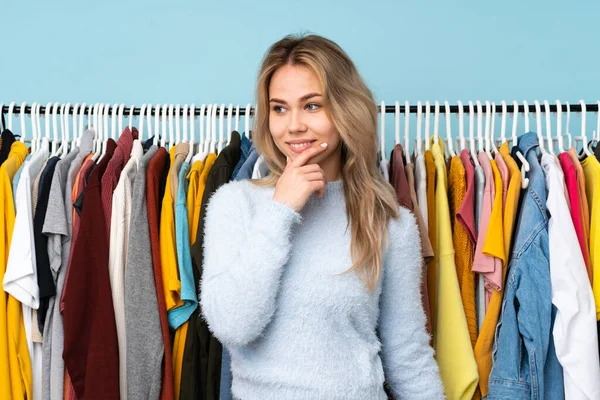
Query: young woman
312,275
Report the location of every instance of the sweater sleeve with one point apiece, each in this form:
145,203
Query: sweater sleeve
246,244
408,362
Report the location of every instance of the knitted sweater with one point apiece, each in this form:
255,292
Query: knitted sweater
296,331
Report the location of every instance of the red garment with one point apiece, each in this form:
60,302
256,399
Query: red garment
110,179
576,214
466,212
153,177
398,177
91,350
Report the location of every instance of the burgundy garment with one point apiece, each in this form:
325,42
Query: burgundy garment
91,352
398,177
110,179
154,179
570,172
466,212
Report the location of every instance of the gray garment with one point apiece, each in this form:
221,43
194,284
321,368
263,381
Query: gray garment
145,346
480,293
55,227
58,227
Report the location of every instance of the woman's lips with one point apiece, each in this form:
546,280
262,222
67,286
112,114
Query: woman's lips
299,147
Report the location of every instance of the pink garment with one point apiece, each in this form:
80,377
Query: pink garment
503,169
482,263
466,212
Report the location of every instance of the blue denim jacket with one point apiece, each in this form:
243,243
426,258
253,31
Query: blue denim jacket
525,365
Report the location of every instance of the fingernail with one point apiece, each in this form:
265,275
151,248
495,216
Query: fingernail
323,144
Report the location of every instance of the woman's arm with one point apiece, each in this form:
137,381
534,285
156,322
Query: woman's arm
407,357
246,244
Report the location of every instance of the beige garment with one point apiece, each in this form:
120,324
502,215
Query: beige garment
181,152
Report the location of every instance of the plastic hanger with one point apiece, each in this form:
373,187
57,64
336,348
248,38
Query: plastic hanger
22,117
448,129
471,133
75,125
156,124
436,122
34,127
213,141
480,146
177,124
1,119
200,155
104,117
382,128
101,129
487,133
237,119
526,115
419,123
559,138
407,131
54,130
64,122
149,120
119,121
46,122
163,138
503,124
192,112
397,122
205,145
81,125
247,119
184,122
461,125
221,118
171,136
515,116
493,128
229,117
548,127
11,108
568,126
524,163
97,137
141,130
427,121
130,124
538,121
585,148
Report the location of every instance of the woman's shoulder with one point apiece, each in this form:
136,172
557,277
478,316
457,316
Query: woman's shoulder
403,226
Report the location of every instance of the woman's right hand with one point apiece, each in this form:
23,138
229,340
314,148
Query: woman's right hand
299,180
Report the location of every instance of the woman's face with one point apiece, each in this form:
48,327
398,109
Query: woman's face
299,120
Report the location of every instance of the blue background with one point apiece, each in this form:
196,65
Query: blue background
136,52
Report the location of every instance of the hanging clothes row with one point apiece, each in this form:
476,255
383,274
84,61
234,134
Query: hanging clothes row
103,233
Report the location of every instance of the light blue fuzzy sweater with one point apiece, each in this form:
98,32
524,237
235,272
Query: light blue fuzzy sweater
295,331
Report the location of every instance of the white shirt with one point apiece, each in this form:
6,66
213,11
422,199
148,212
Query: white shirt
384,166
119,235
575,335
20,278
260,168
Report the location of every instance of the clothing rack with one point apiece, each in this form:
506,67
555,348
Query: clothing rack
413,109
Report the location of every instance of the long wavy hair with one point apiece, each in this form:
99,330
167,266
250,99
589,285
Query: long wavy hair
370,199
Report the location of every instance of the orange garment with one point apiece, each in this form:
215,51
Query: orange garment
485,341
431,265
463,256
585,211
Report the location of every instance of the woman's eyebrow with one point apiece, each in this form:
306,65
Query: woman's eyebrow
303,98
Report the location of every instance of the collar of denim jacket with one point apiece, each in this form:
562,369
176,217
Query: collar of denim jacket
527,142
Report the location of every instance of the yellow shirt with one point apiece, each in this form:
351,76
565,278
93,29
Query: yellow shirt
452,342
197,176
485,341
591,170
15,361
168,247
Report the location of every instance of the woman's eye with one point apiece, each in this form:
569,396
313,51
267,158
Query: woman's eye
278,109
312,106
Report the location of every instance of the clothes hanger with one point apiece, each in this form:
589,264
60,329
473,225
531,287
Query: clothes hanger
397,123
200,155
585,148
55,130
1,118
237,119
247,119
192,112
229,117
204,145
184,122
104,117
156,124
97,137
503,125
177,124
221,120
488,118
427,132
114,134
75,126
448,129
568,126
461,125
493,147
538,121
163,138
64,120
559,138
406,131
102,130
419,123
131,108
141,130
524,163
11,108
34,129
149,120
22,117
480,147
213,142
548,128
471,133
382,128
436,122
81,126
171,137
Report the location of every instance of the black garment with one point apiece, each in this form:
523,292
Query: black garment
44,274
201,369
163,183
7,140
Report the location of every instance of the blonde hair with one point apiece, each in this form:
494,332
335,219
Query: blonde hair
370,199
